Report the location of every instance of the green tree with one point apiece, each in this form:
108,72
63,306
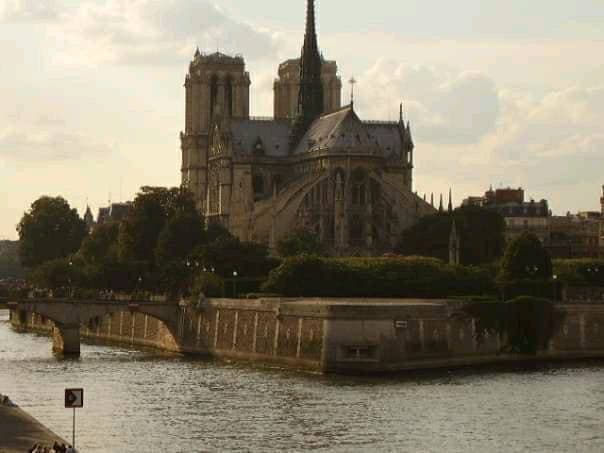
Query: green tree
61,273
481,232
10,267
51,229
526,259
181,235
151,210
101,245
300,242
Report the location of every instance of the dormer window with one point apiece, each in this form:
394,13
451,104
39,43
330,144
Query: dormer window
258,147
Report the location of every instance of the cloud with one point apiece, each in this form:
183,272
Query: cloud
156,32
45,140
445,107
17,11
551,145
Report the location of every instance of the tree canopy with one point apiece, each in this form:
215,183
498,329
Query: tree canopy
151,211
300,242
526,259
481,232
50,230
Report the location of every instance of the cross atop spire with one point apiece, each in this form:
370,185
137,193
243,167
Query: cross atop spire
352,82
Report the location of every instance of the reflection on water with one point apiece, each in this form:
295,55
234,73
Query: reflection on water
146,402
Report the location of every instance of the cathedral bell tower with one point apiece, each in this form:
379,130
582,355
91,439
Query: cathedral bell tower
310,96
217,88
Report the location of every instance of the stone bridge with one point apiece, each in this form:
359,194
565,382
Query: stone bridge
69,315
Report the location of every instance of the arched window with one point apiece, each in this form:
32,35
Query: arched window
229,96
356,230
258,185
213,93
277,182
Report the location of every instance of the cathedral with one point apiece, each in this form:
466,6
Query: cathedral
315,165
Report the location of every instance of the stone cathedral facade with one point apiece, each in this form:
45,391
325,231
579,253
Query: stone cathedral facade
315,165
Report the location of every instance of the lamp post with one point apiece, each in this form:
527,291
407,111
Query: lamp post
532,270
235,274
69,279
555,279
138,285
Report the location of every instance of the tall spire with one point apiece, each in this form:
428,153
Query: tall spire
441,207
310,96
450,201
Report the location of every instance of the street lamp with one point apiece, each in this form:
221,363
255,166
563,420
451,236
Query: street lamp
532,269
138,285
555,279
69,279
235,274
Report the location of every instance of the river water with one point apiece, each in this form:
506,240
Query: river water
148,402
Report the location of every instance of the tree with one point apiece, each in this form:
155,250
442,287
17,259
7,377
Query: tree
481,232
526,259
227,254
101,245
48,231
10,267
300,242
181,235
57,274
151,210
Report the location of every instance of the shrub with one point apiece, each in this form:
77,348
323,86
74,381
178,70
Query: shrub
312,276
300,242
525,259
526,324
208,283
580,272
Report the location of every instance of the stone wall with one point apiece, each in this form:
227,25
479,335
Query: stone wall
340,336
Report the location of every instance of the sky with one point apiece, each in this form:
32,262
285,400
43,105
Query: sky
498,93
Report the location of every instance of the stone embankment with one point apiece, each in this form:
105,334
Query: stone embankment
19,431
331,335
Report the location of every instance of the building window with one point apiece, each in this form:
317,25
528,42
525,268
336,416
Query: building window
258,185
229,96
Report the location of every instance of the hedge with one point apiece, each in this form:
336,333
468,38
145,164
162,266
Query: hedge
580,272
404,277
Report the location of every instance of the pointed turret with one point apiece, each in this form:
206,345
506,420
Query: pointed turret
409,136
450,208
310,96
197,53
89,218
432,199
441,207
454,245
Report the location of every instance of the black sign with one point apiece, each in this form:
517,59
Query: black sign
74,398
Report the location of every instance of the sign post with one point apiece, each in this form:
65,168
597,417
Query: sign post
74,399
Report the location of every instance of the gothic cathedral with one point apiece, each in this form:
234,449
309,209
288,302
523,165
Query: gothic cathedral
315,165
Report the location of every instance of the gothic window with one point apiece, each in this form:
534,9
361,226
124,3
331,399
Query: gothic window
213,93
229,96
356,230
277,182
258,185
359,195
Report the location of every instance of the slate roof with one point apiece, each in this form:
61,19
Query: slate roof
343,131
339,131
274,135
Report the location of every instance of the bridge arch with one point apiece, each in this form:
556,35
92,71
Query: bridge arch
69,316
